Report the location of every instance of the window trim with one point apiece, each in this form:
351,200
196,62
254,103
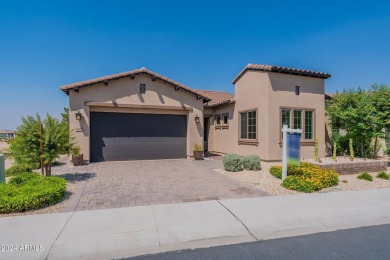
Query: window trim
221,125
216,120
223,121
248,141
303,122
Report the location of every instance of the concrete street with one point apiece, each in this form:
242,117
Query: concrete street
359,243
133,231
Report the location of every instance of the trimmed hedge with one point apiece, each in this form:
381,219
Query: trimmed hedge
232,162
306,177
17,169
28,191
251,162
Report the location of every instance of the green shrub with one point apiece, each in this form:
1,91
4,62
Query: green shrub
232,162
365,176
198,147
306,177
30,191
383,175
387,151
291,170
303,184
22,178
276,171
251,162
17,169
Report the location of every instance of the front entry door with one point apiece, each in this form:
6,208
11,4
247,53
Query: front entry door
206,127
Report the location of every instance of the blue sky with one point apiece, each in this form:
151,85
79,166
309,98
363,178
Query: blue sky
203,44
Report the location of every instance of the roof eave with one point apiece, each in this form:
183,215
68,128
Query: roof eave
283,70
131,74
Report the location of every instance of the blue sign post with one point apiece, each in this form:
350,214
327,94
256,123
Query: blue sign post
294,148
291,148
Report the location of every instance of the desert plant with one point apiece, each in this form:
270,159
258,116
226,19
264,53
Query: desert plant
383,175
334,156
291,170
306,177
351,152
232,162
28,191
76,150
316,150
198,148
17,169
365,176
251,162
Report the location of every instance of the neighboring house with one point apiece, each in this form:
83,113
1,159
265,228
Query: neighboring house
143,115
6,134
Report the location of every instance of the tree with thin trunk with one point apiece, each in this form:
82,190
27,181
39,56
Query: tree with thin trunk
56,139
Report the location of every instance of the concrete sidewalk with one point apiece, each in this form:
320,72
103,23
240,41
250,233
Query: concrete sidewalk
124,232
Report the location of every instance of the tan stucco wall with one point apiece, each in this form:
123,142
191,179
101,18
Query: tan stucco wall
312,96
250,93
126,91
268,92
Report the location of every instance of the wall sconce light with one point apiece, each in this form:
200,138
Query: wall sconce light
197,119
78,116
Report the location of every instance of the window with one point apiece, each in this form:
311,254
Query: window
297,90
142,88
309,124
286,117
248,125
299,119
218,120
225,119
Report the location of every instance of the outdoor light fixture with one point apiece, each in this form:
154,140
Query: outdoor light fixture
78,116
197,119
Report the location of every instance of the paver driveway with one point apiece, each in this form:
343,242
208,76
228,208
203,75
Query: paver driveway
135,183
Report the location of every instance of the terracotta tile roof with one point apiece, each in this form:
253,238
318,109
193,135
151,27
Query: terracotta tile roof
329,96
5,131
278,69
217,98
130,74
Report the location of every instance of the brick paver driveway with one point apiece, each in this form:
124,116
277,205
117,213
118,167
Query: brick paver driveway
135,183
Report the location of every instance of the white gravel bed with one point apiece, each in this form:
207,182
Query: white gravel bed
353,183
264,181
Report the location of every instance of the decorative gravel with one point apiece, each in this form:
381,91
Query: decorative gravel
266,182
262,180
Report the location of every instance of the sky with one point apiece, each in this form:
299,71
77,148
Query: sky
202,44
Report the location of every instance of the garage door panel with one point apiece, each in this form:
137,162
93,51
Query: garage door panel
120,137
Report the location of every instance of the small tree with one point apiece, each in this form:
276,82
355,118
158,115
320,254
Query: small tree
25,147
362,114
316,159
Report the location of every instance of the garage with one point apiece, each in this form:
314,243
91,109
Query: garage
132,136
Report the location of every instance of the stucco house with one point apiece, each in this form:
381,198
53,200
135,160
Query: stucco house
140,114
6,134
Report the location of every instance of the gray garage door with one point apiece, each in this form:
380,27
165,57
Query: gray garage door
123,136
